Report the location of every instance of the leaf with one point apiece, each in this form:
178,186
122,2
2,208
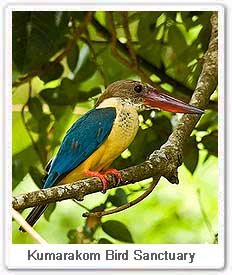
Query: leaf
44,123
72,57
72,236
210,143
33,125
151,52
37,36
86,70
35,107
68,93
19,37
208,120
54,73
36,175
119,198
18,171
21,163
104,241
117,230
176,40
51,207
191,154
147,28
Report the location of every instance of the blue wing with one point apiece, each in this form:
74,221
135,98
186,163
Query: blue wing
81,140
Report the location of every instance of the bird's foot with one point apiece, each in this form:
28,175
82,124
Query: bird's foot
102,176
115,172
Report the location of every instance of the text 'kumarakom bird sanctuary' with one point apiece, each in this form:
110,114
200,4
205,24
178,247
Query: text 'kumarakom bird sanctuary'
110,255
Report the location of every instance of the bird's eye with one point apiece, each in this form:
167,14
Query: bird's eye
138,88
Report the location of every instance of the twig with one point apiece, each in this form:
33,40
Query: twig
124,206
20,220
114,41
26,126
49,66
129,39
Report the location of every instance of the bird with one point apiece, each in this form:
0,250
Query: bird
96,139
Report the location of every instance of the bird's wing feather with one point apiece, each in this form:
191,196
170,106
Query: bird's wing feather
81,140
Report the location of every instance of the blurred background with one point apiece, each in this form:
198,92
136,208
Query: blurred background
62,61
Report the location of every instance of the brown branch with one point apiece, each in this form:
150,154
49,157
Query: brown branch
129,39
127,205
163,162
115,52
70,45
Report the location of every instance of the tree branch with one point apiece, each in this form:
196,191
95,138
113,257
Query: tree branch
163,162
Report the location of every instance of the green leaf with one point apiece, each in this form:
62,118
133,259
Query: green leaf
86,70
104,241
210,143
119,198
147,29
208,120
37,36
44,123
72,236
35,107
151,52
51,207
117,230
33,125
191,154
176,40
72,57
68,93
19,37
54,73
21,163
36,175
18,171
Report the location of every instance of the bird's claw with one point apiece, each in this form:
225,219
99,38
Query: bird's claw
115,172
102,176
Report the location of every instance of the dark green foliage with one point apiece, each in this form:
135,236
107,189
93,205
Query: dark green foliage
37,36
119,198
117,230
191,154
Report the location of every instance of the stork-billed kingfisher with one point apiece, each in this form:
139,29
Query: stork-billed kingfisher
96,139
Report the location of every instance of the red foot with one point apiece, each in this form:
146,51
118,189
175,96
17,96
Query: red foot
102,176
114,172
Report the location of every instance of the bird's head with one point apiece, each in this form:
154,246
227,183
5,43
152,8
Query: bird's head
144,96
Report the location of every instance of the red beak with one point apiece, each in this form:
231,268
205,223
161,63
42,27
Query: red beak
155,99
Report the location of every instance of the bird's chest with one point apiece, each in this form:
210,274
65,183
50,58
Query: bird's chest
125,127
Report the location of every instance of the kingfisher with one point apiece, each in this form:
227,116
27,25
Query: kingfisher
96,139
